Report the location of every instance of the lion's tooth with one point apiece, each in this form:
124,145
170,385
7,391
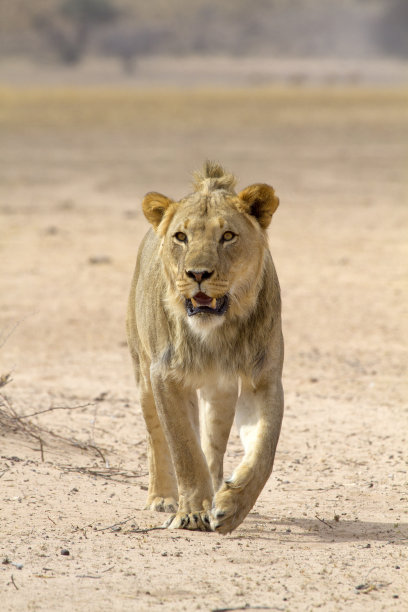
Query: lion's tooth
214,303
194,303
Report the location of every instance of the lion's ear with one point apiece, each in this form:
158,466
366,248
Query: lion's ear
154,206
260,201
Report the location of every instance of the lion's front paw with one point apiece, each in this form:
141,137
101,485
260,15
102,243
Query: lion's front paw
197,521
229,509
162,504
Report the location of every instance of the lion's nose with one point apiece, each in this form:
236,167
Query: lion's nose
199,275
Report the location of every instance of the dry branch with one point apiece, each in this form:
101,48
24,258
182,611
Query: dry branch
10,420
27,416
111,473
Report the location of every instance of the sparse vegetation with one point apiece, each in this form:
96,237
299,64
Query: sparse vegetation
393,28
68,28
127,29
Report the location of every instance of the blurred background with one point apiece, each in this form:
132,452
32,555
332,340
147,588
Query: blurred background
185,43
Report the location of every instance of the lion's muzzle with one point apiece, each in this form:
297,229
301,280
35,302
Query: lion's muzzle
204,304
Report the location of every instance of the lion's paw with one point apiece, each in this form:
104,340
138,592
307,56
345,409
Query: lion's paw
196,521
228,510
162,504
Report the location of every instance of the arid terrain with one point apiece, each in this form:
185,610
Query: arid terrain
330,529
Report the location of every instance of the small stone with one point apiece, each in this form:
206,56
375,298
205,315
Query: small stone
65,552
99,260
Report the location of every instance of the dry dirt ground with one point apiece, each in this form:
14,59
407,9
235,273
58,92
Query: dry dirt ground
330,529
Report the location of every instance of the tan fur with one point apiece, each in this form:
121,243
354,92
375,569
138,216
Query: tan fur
175,356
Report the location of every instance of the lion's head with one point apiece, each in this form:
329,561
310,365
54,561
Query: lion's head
213,244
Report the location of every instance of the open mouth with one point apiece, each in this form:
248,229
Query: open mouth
202,303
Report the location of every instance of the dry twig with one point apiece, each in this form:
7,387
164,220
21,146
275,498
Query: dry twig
114,474
142,530
323,521
12,580
27,416
116,524
247,607
88,576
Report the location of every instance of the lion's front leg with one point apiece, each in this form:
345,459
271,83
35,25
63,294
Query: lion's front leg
259,417
177,408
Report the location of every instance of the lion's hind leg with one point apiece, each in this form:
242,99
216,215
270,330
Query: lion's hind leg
162,493
259,417
217,410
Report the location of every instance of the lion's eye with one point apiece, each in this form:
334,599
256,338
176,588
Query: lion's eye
227,236
180,236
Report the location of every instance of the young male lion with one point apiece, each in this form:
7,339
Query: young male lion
204,316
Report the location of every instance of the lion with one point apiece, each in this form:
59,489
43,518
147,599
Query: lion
204,325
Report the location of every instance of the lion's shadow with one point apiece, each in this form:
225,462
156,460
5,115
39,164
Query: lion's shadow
321,529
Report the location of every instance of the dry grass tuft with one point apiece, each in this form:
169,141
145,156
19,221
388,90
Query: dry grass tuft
5,379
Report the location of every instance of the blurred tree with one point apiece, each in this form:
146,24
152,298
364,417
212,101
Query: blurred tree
393,28
128,41
68,29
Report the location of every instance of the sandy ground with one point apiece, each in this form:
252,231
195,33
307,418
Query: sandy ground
330,529
215,71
